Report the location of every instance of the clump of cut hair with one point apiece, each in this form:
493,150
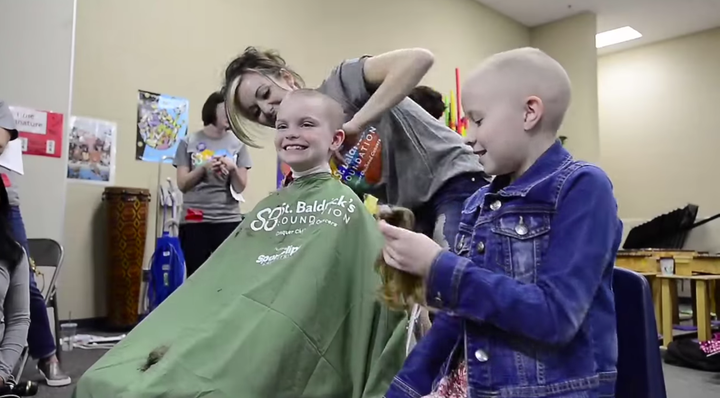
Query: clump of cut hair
154,357
266,62
400,290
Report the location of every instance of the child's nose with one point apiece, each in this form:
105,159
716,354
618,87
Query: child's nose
291,134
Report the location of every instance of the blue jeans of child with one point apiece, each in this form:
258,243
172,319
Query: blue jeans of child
41,343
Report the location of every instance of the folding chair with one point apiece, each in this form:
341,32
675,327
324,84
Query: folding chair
45,253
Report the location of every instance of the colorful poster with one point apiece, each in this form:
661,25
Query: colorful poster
162,121
92,147
40,132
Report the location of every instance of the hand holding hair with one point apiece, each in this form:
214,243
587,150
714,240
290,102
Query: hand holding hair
400,289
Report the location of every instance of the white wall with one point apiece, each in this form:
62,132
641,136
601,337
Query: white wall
35,72
659,131
571,42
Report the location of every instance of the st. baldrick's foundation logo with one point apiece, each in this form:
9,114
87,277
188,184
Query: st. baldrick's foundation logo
299,215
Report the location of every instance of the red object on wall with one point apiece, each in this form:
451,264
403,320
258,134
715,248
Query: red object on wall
40,132
48,144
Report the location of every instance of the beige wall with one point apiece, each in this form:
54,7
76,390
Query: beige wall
571,42
35,72
659,134
180,48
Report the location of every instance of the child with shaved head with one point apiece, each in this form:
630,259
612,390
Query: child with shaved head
309,129
292,291
525,302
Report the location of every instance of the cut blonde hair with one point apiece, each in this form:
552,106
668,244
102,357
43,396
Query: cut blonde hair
400,290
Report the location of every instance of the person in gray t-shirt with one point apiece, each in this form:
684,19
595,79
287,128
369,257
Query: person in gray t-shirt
394,149
212,166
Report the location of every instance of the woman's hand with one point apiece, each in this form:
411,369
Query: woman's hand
223,165
352,130
208,165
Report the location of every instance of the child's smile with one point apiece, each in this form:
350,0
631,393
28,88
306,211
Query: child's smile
307,130
294,147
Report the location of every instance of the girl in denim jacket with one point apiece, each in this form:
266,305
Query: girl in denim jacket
524,299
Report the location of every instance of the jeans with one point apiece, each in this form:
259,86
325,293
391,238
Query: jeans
440,218
41,343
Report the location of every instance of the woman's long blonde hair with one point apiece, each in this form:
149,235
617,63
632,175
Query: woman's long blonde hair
266,62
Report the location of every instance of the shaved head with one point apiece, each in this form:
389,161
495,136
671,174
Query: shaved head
515,102
332,111
525,72
309,129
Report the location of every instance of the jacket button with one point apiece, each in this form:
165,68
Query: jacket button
481,356
481,248
495,205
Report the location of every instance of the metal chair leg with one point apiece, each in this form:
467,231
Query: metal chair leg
58,348
23,361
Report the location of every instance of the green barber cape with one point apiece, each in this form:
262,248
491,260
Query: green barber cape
285,308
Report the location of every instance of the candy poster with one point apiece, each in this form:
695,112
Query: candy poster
162,121
40,132
91,150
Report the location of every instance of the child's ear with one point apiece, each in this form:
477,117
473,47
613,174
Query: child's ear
534,111
337,141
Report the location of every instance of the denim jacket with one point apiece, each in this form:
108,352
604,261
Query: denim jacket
525,296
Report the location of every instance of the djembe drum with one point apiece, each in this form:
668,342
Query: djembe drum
127,213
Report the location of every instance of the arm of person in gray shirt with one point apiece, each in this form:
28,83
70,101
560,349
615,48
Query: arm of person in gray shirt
392,75
239,177
17,318
187,179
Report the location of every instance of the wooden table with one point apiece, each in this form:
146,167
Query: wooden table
702,307
687,264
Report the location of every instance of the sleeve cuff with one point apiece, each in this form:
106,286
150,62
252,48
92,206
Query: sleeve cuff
443,282
400,389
